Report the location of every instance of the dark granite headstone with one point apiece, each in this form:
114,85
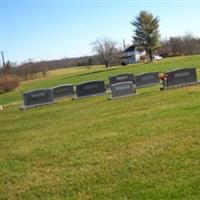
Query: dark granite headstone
121,78
180,77
63,91
147,79
91,88
38,97
123,89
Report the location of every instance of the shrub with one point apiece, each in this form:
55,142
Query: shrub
9,83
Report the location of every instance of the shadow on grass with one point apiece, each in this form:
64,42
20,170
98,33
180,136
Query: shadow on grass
91,73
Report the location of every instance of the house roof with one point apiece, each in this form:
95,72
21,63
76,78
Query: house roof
131,48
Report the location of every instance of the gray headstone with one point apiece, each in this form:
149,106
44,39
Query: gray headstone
121,78
180,76
123,89
38,97
147,79
63,91
91,88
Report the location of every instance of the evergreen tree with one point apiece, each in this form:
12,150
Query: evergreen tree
146,33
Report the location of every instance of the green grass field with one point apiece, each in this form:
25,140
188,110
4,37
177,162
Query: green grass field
141,147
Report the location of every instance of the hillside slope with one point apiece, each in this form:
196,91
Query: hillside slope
141,147
81,74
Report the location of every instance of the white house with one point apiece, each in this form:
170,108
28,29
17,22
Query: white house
131,55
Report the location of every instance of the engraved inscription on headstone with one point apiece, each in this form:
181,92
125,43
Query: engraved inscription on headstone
123,89
182,74
147,79
180,77
121,78
91,88
38,97
63,91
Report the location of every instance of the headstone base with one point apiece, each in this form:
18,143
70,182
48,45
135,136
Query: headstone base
62,98
23,107
149,85
93,95
121,97
180,85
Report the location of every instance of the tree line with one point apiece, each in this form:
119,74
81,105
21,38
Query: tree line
174,46
187,44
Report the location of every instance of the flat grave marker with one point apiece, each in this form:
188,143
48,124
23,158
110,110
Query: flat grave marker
38,97
147,79
178,77
61,91
121,78
91,88
123,89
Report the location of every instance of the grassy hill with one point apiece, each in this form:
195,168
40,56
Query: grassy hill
142,147
81,74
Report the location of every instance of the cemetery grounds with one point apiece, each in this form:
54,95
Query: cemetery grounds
141,147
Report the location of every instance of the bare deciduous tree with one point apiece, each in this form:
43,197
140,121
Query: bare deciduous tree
106,49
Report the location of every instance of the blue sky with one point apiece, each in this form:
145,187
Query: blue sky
45,30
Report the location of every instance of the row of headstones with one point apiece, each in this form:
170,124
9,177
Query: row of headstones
120,86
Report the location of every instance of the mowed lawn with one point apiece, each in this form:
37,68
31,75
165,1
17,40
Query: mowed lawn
141,147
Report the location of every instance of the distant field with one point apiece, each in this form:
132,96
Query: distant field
141,147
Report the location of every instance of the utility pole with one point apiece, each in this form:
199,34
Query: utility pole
124,44
4,65
3,58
